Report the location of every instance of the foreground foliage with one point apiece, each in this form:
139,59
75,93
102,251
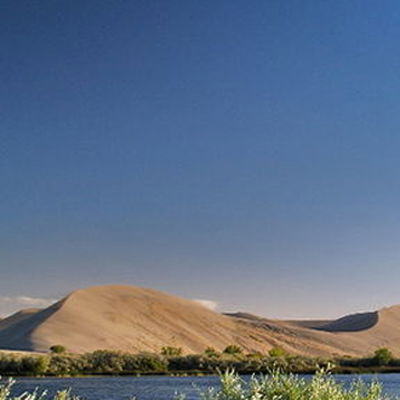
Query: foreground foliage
279,386
6,393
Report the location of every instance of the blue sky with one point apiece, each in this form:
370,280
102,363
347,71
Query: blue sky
240,152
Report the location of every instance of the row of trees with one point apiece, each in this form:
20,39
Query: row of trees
171,360
170,351
101,362
232,349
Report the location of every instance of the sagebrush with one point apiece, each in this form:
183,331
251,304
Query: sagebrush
280,386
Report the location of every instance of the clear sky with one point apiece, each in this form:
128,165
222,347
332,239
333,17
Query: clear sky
244,152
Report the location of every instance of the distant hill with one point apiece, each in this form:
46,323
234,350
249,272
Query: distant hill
135,319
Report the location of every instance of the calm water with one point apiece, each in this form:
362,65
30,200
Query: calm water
155,387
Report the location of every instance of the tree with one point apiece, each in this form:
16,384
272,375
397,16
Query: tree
383,356
58,349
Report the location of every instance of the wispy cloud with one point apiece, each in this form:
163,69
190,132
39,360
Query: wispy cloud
10,304
27,301
210,304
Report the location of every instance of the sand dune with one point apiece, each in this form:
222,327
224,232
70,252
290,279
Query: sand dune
125,318
135,319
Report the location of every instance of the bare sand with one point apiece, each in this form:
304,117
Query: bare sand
135,319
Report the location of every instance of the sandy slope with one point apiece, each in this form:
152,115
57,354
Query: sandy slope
126,318
136,319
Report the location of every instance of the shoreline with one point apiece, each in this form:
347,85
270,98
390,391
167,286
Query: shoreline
197,373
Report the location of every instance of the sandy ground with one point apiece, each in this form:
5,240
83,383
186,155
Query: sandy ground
135,319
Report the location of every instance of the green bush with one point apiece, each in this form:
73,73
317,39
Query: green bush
36,365
280,386
58,349
170,351
383,356
11,364
233,350
106,361
277,352
144,362
187,363
211,352
67,365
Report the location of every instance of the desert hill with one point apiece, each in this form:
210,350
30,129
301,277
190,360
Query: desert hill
126,318
135,319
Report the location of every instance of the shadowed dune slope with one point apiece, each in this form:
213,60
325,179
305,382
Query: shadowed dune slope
351,323
17,317
348,323
135,319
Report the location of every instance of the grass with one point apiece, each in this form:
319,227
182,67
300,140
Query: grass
276,386
6,393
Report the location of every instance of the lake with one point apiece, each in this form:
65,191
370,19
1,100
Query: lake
156,387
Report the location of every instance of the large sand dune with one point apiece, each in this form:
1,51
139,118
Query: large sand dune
126,318
137,319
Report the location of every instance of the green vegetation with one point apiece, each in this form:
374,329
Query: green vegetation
233,349
211,352
6,393
58,349
172,361
277,352
383,356
278,386
23,365
170,351
98,362
112,362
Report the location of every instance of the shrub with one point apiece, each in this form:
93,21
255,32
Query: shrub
6,389
106,361
290,387
277,352
67,365
186,363
233,350
170,351
211,352
383,356
11,364
58,349
41,365
144,362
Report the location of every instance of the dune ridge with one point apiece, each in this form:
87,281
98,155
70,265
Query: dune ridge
134,319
